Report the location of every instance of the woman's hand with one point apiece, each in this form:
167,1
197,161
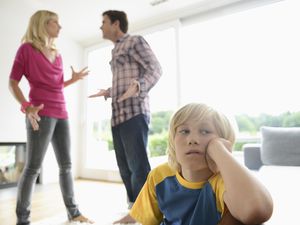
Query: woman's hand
76,76
215,145
79,75
33,116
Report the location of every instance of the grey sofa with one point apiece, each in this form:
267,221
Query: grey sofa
276,162
279,146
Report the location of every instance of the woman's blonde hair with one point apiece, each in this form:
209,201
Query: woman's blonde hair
36,32
198,112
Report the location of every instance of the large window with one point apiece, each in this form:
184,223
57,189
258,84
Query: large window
245,63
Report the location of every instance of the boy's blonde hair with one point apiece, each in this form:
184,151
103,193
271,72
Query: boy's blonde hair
198,112
36,32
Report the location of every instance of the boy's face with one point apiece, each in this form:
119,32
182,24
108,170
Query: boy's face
191,140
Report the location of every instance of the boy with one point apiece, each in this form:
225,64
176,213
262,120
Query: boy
201,179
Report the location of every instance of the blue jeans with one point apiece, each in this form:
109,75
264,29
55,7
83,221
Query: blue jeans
130,142
57,132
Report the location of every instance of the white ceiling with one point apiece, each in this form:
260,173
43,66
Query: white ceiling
81,19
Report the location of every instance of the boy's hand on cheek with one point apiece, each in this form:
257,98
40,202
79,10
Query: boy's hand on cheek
214,146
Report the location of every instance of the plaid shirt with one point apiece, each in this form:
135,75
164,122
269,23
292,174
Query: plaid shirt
132,59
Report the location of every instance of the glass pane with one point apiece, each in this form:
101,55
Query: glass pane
243,63
164,95
98,136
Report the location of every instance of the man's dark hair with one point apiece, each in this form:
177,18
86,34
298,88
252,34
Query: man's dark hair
115,15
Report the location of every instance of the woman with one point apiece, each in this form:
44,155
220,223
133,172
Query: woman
46,116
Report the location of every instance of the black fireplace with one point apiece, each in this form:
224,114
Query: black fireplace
12,161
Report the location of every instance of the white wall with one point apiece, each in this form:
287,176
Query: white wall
13,23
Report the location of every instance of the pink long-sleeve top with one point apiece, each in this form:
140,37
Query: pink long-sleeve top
46,80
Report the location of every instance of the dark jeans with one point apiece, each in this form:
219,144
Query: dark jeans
130,142
56,131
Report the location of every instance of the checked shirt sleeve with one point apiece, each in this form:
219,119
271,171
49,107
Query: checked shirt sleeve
150,67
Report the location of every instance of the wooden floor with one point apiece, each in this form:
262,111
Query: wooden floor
97,200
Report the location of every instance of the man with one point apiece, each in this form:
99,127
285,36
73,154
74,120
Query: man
135,71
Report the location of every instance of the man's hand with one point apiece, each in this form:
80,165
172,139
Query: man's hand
132,91
102,92
32,114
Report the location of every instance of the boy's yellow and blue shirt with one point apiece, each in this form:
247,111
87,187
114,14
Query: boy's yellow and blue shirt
168,199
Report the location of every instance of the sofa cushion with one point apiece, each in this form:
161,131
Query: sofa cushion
280,146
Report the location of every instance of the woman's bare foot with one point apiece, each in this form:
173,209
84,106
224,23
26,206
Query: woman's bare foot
82,219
